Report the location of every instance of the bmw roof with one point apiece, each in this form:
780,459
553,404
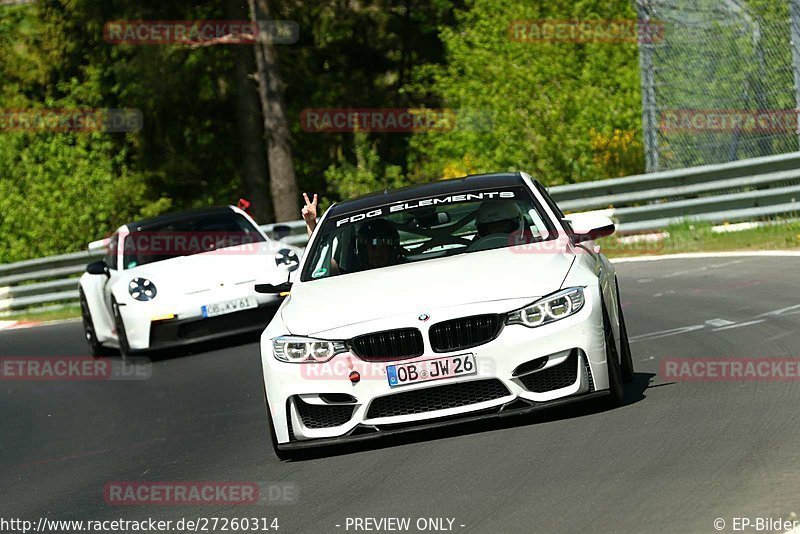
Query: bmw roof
473,182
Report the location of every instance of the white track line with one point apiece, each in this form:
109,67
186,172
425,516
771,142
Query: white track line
701,255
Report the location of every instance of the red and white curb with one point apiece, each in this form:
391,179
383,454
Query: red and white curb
13,325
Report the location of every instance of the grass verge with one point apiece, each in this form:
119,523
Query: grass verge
68,312
699,237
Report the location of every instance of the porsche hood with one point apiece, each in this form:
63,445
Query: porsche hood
185,275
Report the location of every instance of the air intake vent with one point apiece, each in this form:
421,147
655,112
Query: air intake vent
559,376
325,416
465,332
437,398
388,345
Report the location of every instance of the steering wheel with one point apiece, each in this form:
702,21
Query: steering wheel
490,241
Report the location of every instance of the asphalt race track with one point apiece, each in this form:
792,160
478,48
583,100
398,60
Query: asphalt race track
674,458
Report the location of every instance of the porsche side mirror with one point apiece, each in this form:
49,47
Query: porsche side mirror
280,231
98,267
273,289
590,226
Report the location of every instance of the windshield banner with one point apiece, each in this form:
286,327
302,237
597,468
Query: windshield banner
420,203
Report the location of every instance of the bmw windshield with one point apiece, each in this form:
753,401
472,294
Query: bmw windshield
426,228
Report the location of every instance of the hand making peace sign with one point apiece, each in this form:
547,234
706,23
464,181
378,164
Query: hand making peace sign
309,212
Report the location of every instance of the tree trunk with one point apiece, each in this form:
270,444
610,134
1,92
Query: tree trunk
255,173
285,195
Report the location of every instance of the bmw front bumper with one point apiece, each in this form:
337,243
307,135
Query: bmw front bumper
520,370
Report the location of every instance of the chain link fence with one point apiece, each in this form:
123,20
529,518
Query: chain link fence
719,80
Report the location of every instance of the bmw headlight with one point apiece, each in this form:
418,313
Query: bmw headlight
296,349
142,289
551,308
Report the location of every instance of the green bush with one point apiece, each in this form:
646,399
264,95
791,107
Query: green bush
58,192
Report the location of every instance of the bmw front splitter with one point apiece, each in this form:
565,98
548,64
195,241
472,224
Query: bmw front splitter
367,432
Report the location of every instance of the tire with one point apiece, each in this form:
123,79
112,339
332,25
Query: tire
616,386
282,455
122,337
627,357
95,348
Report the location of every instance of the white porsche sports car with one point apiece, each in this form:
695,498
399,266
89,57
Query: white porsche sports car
181,278
442,302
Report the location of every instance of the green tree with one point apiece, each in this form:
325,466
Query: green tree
346,179
544,98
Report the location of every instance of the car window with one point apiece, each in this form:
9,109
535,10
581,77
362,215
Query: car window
187,236
426,228
553,206
111,252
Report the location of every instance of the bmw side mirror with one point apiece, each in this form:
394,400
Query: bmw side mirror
272,289
98,267
590,226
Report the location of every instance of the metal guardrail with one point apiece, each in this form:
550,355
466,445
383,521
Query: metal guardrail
729,192
54,279
744,190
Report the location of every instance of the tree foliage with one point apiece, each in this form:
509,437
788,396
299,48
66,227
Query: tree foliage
566,112
549,101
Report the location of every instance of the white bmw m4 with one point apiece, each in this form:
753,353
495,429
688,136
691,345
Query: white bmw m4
181,278
440,303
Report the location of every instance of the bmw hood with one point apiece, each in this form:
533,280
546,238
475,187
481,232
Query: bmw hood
490,275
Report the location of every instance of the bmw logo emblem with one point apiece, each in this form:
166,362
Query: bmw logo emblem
424,317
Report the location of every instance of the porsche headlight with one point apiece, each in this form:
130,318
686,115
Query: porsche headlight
142,289
296,349
551,308
287,257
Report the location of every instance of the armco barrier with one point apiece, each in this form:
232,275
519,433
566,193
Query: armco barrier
728,192
743,190
55,279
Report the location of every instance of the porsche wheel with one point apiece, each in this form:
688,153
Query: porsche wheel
95,348
119,325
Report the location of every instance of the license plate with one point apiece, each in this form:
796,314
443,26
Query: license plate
427,370
229,306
